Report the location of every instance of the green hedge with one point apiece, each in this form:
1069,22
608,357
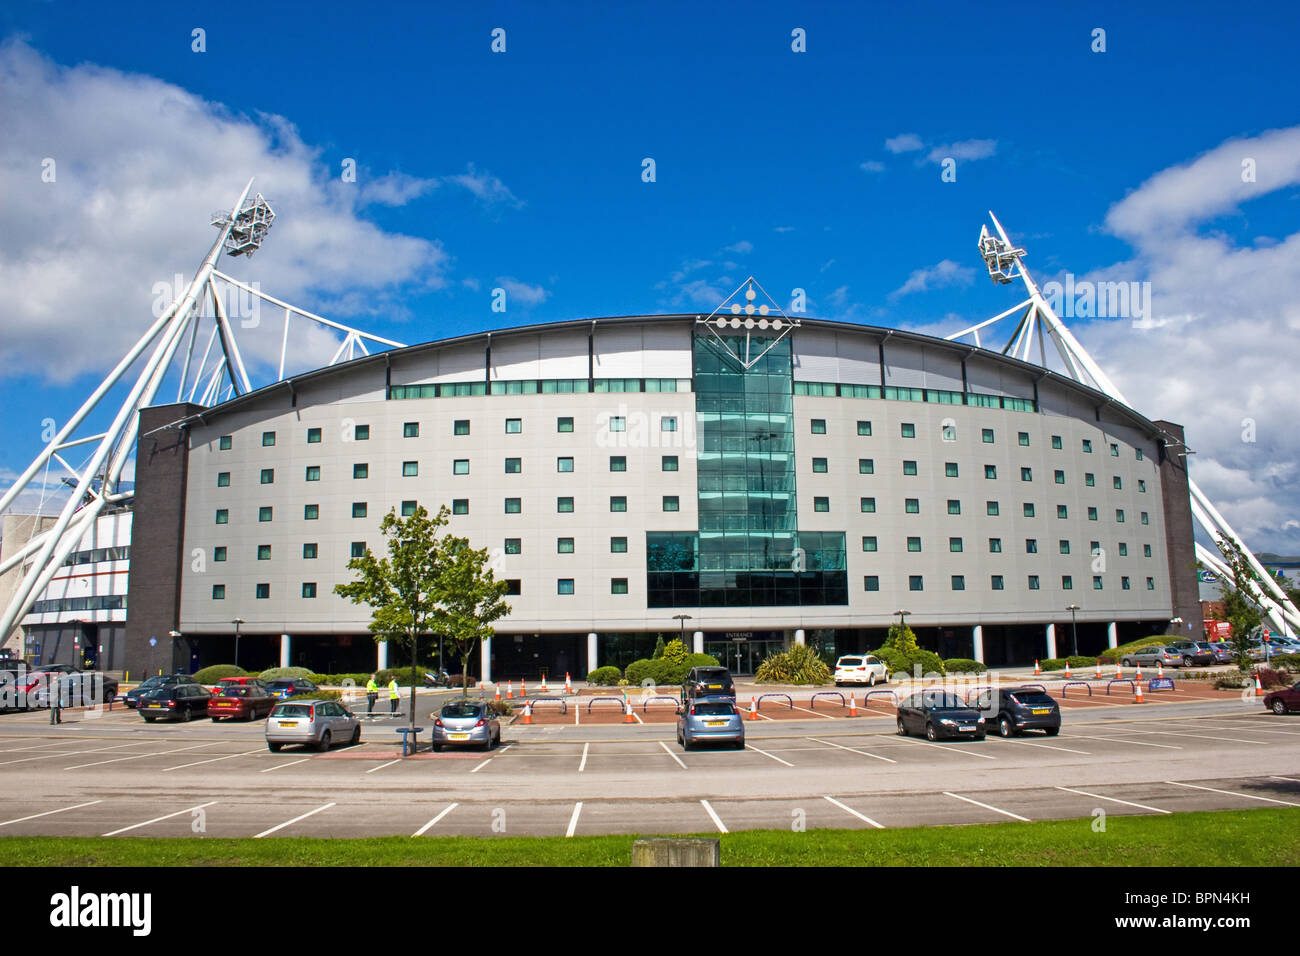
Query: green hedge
317,695
605,676
899,662
665,671
214,673
336,680
963,665
275,673
1058,663
1290,661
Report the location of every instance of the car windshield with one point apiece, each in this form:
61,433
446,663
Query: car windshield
462,709
710,709
712,675
292,710
1033,698
850,662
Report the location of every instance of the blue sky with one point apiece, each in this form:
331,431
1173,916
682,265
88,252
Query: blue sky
523,170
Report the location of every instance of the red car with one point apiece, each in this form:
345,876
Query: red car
240,701
1283,700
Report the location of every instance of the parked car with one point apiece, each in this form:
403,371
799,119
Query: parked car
710,720
315,723
179,701
1017,709
241,702
938,713
464,723
284,687
708,682
1151,656
1283,700
1221,650
1191,652
132,697
861,669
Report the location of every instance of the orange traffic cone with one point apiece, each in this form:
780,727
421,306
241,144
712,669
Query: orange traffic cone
523,687
1138,685
1160,669
1259,688
753,709
1098,674
1067,668
498,688
1139,674
1119,671
510,690
628,717
545,689
1037,670
853,705
528,712
568,684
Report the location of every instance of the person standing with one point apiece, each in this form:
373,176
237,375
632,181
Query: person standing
372,694
392,696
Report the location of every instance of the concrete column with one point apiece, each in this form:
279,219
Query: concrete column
381,655
592,646
977,642
697,642
285,657
1112,634
1051,640
799,636
485,661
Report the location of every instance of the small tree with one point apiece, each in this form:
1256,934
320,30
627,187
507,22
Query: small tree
659,648
469,599
903,640
1240,609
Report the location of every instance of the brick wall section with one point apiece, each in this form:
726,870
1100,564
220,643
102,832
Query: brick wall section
157,542
1179,536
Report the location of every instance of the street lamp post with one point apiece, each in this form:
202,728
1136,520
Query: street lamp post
237,621
682,619
172,646
1074,627
902,618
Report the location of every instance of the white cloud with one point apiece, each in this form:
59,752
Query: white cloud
872,166
742,248
944,273
395,189
839,299
486,187
966,149
903,143
521,292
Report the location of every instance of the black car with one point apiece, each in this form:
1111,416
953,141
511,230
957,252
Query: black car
1017,709
175,702
132,697
939,713
708,682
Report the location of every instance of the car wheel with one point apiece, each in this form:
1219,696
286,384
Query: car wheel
1052,731
981,736
215,719
871,680
188,716
839,683
436,748
325,741
1127,662
1187,662
1279,707
356,735
901,729
273,747
929,732
739,745
1006,728
149,720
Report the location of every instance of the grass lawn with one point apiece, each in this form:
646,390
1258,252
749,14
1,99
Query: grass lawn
1224,838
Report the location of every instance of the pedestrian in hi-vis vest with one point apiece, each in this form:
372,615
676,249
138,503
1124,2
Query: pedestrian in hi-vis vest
392,696
372,694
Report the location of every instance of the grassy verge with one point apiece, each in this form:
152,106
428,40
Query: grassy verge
1224,838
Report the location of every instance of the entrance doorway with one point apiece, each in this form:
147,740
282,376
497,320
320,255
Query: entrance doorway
742,656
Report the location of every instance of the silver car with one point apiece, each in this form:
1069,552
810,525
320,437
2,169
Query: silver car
466,723
710,719
1151,656
318,723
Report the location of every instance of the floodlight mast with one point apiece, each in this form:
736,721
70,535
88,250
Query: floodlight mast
1005,264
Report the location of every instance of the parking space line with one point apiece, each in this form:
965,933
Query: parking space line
717,822
1287,779
289,764
163,753
673,755
50,743
1033,743
1121,740
48,812
304,816
573,820
949,750
136,826
1174,733
71,753
1005,813
766,754
1127,803
493,757
1233,793
860,816
815,714
583,765
850,750
424,829
383,765
246,753
1259,730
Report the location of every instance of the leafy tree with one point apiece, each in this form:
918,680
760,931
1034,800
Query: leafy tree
902,639
659,648
676,653
469,600
1240,608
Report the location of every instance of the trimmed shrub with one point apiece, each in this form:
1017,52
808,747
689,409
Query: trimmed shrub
1289,661
1270,678
962,665
317,695
275,673
501,708
641,670
659,648
1077,662
702,660
604,676
930,662
799,665
894,661
403,675
336,680
210,675
1233,681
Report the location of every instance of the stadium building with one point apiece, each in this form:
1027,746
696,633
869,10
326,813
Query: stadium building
745,484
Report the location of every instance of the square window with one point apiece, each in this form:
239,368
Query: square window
959,582
1059,476
1146,518
1056,442
1119,515
358,509
871,582
1026,474
264,513
358,549
618,423
223,479
995,545
361,470
264,552
1094,548
564,505
410,469
1033,582
1096,582
1024,439
913,544
671,503
618,545
1067,582
564,586
867,505
955,545
514,426
618,462
564,464
313,436
1063,546
460,466
268,439
819,426
1118,483
669,463
1029,509
460,426
866,466
1031,546
514,586
564,423
1146,550
1114,450
668,423
410,429
909,467
514,546
1142,486
219,553
869,542
986,436
310,512
1151,584
990,471
915,582
1123,549
908,429
864,428
912,505
460,506
514,466
313,473
1087,446
309,551
219,592
1089,480
954,506
564,546
950,469
991,508
1062,511
361,433
949,432
996,582
618,502
263,592
408,508
819,466
821,504
309,589
223,443
618,585
268,476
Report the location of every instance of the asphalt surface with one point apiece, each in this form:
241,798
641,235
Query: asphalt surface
117,775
